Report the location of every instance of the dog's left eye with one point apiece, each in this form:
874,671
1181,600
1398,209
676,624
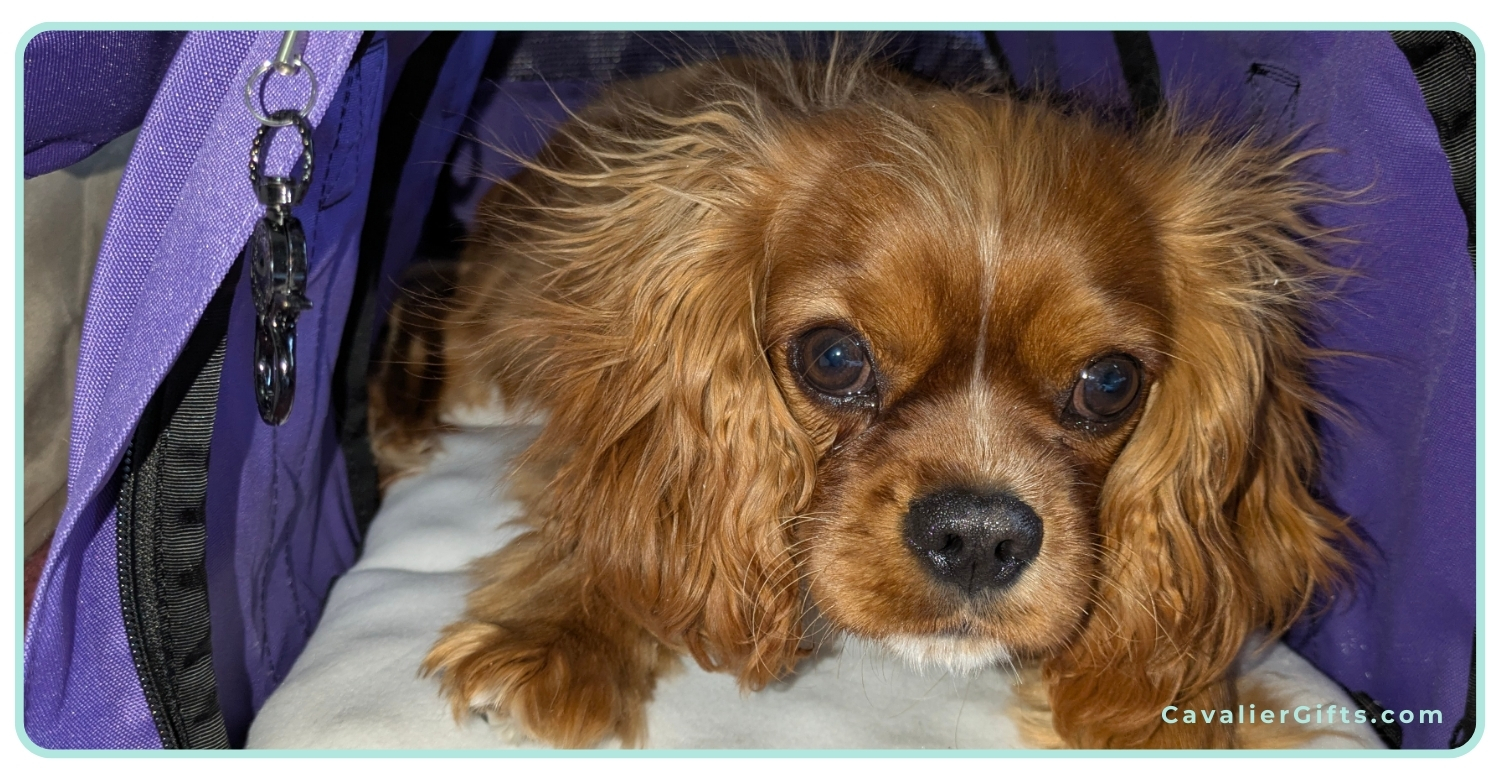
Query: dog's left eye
834,361
1106,389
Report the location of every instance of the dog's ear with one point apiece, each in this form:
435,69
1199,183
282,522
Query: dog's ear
680,464
1207,530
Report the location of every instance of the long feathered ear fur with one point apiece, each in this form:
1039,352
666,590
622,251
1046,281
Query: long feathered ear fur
678,464
1208,532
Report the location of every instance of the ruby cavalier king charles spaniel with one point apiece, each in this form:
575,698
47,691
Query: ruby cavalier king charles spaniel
972,376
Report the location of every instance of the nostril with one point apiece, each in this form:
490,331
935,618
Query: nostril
953,545
1005,550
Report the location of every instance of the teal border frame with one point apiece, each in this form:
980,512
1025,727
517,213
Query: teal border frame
1479,346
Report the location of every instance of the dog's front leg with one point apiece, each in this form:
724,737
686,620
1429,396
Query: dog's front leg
538,646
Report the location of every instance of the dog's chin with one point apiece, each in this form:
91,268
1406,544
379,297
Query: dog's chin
956,654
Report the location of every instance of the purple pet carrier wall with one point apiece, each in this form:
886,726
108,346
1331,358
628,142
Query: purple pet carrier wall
183,212
281,518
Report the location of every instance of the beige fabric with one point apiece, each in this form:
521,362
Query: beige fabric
65,214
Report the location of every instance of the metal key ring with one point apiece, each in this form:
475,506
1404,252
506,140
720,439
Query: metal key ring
252,102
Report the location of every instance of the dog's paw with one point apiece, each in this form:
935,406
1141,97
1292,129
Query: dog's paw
507,732
549,683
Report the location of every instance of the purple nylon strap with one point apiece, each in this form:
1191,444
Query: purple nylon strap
183,210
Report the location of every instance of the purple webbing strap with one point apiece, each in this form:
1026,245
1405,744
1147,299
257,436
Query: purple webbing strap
182,213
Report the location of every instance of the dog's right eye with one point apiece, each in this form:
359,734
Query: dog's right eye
834,361
1106,389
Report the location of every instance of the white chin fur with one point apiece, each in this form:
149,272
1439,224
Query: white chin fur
955,654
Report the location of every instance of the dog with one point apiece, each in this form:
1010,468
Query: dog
977,377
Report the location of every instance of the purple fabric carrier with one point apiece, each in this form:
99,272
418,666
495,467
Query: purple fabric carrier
281,525
83,90
183,211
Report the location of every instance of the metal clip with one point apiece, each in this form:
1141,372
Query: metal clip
288,60
277,256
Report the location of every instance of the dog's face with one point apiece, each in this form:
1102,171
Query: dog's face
969,332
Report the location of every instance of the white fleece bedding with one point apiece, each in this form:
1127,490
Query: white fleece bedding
356,684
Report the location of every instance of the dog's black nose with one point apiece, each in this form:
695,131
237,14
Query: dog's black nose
977,540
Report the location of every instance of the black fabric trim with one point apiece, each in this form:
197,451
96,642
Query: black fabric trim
1142,73
1464,729
160,535
443,233
1389,733
1007,76
1443,62
350,403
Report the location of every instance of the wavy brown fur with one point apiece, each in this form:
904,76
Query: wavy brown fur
642,280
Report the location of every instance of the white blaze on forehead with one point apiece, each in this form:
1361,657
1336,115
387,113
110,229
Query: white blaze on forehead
954,654
981,401
988,255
